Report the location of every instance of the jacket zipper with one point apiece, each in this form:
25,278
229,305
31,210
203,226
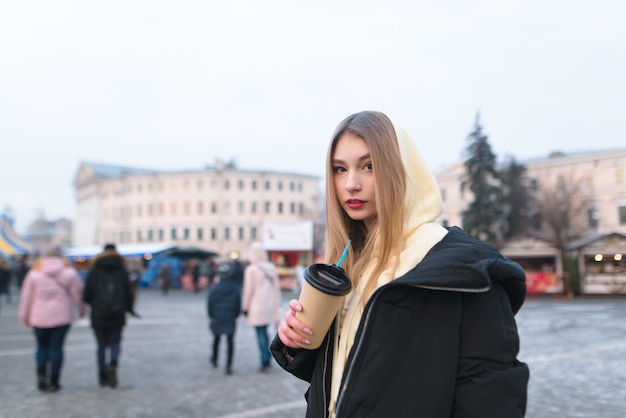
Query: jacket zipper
358,344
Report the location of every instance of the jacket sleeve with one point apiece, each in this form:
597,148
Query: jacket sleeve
491,381
75,291
88,289
302,363
26,298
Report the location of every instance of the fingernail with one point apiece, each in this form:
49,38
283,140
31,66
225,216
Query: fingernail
308,331
306,341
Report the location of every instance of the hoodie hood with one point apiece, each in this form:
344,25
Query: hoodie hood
52,266
462,263
109,260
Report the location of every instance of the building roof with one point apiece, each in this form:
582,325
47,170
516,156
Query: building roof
590,239
112,171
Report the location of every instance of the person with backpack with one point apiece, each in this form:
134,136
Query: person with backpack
108,292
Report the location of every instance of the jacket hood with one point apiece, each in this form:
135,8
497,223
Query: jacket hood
460,262
109,260
52,265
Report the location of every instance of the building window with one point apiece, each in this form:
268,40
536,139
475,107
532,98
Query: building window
301,209
160,235
200,208
240,184
226,233
267,207
200,184
253,232
150,209
240,233
173,208
199,234
534,185
619,175
253,184
226,184
622,215
267,184
213,234
588,180
280,207
186,234
292,208
150,237
279,185
173,233
241,207
138,236
299,186
226,207
292,186
186,208
253,207
213,207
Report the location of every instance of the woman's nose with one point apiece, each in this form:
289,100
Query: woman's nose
353,183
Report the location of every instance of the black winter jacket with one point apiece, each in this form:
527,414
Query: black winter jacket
224,306
440,341
108,265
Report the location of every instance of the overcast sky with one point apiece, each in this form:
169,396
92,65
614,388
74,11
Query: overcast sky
177,84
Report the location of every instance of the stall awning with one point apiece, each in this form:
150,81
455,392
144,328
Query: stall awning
10,243
127,250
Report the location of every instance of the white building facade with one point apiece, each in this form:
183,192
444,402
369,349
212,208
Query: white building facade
220,208
595,182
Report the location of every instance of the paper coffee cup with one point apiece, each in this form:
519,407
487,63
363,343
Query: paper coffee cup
323,291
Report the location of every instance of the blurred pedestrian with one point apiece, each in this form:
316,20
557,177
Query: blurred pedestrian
50,297
5,281
261,298
195,275
108,292
21,269
164,278
134,275
299,272
223,308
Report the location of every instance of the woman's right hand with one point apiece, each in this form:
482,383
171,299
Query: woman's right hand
291,331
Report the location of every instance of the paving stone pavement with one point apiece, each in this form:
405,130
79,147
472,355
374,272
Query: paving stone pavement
576,350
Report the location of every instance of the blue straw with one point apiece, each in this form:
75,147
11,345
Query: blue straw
343,255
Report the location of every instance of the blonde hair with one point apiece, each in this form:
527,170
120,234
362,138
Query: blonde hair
379,135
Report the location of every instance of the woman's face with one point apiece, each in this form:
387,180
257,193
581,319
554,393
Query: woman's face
353,177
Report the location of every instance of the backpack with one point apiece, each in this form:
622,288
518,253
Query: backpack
109,300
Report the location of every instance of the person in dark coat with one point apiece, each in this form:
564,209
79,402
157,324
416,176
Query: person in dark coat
428,329
223,308
108,272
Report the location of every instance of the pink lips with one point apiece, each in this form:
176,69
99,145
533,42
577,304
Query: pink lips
355,203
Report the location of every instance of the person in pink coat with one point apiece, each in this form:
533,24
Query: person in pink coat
49,298
261,298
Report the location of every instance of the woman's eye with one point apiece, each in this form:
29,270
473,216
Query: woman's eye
369,167
338,169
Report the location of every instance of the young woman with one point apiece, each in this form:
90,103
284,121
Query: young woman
50,294
428,329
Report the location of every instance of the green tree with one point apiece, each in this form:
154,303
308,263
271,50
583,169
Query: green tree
483,218
515,199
